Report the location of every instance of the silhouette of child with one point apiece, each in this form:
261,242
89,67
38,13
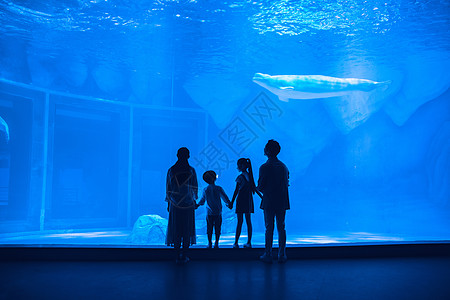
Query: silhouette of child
243,194
213,194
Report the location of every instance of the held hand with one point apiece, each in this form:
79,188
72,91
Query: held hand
259,194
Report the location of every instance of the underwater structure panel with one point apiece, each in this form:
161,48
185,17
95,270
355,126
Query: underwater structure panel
87,151
23,112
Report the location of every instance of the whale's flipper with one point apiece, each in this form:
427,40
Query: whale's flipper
4,129
284,99
384,84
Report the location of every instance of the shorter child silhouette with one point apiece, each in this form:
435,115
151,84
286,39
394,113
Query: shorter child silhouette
213,194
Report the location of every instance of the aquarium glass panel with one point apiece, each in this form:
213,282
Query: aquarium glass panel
96,98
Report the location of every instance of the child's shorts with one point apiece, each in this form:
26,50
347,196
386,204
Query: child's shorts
213,222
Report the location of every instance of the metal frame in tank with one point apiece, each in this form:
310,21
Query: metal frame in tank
46,107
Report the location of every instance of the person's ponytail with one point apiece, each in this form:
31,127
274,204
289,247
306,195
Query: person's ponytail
250,172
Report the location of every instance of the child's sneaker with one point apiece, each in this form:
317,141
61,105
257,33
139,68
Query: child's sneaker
235,246
216,245
248,245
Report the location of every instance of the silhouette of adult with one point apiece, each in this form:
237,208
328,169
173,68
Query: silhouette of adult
181,193
273,183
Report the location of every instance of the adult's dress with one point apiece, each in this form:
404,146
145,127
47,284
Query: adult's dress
181,193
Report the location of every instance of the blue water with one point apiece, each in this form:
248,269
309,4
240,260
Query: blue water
97,96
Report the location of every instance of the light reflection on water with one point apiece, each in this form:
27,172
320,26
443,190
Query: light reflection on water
59,26
118,237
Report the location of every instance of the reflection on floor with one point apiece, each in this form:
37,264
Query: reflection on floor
122,237
381,278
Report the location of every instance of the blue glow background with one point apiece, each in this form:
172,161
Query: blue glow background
99,95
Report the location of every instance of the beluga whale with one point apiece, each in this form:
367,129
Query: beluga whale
313,86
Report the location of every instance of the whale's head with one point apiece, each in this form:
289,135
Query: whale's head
262,79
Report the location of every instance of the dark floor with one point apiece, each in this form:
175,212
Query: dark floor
364,278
